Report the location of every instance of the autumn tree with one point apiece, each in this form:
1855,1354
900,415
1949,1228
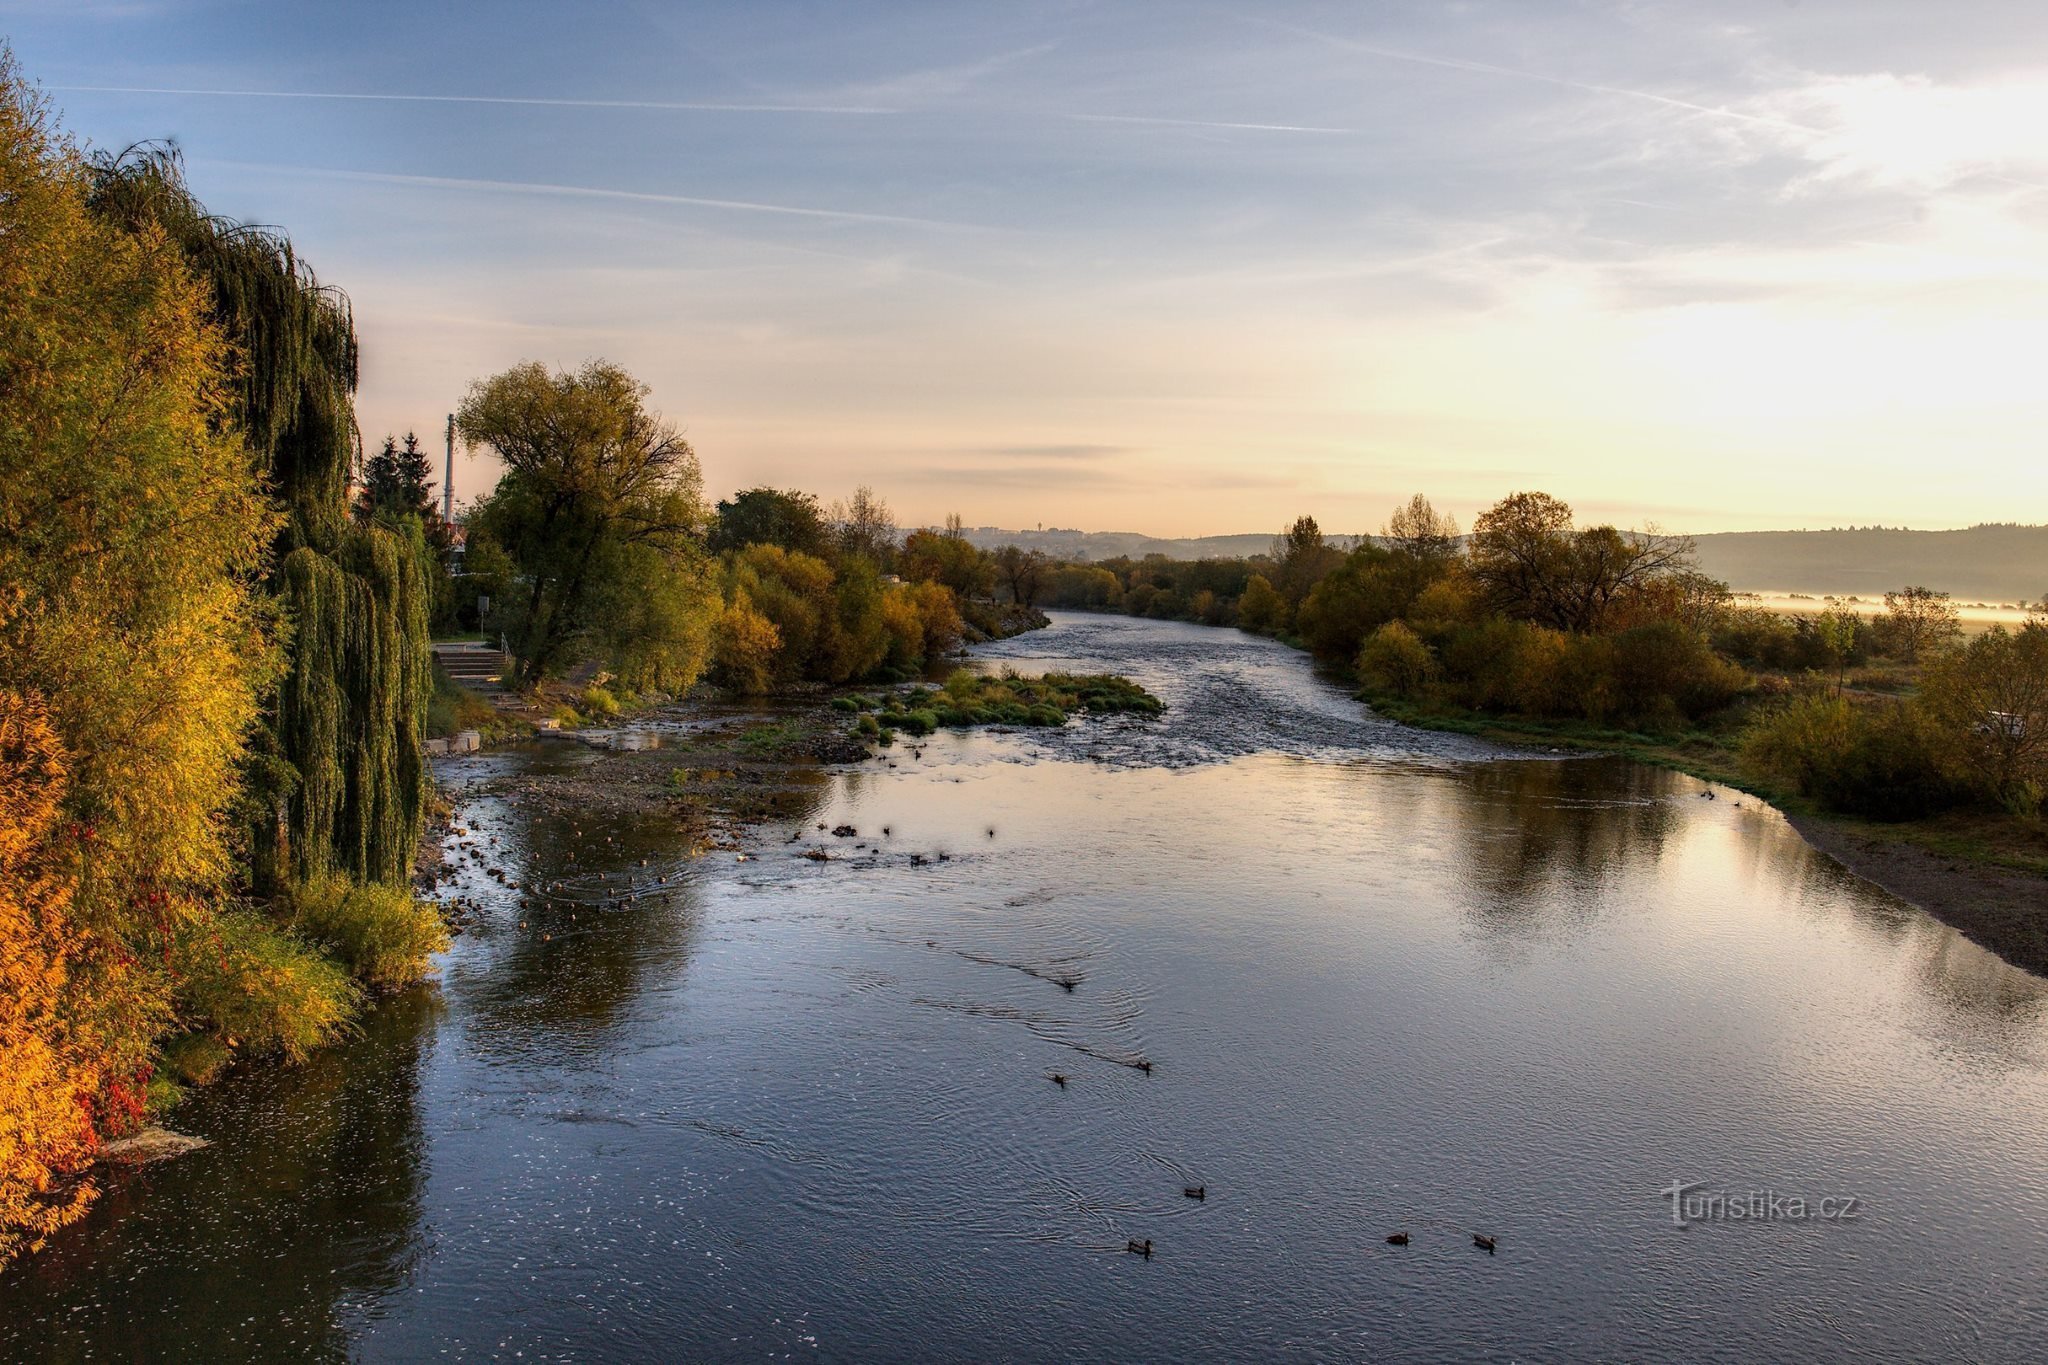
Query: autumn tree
932,557
1301,557
1421,530
599,511
1533,565
1260,608
1995,691
1025,574
134,647
1918,621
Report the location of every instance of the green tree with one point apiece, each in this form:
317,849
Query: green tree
1261,607
1839,629
598,511
1918,621
1301,557
768,516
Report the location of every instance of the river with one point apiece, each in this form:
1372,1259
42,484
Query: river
1383,980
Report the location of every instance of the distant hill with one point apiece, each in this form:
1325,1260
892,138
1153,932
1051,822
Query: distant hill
2004,563
1982,564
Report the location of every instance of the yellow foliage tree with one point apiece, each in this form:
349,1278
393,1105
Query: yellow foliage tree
745,647
43,1133
133,529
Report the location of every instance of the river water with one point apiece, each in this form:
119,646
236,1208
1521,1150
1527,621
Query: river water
1384,981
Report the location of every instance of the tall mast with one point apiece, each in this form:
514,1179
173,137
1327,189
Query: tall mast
448,477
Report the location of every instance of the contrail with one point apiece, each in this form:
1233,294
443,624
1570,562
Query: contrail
588,192
1206,123
1489,69
684,106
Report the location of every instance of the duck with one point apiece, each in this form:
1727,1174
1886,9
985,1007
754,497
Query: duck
1058,1079
1196,1192
1138,1248
1143,1066
1483,1242
1397,1239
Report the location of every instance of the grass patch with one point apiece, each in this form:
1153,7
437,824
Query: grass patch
770,738
969,700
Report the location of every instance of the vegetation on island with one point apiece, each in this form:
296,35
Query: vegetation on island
970,699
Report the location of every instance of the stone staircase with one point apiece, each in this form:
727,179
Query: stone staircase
479,668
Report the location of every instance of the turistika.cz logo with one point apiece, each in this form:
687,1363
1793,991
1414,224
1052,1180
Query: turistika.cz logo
1693,1202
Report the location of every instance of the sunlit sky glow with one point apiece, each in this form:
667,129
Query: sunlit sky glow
1183,269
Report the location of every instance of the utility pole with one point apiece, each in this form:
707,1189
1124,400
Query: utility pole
448,477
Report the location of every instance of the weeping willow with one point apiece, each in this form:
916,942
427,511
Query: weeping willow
338,782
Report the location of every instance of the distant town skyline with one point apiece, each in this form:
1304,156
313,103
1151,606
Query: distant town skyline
1173,270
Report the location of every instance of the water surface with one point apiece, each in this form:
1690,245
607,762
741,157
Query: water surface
1384,981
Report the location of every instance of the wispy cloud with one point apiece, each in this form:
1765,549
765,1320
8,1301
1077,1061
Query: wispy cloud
1055,452
447,182
678,106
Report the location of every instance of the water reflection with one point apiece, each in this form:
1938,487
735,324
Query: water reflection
266,1245
1384,980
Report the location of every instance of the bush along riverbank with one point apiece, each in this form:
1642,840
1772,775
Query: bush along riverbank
970,700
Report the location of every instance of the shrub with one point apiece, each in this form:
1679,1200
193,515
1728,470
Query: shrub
846,704
867,725
195,1058
1261,609
1394,660
1888,762
261,988
384,935
599,702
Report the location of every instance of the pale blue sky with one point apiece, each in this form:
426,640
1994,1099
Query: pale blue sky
1169,267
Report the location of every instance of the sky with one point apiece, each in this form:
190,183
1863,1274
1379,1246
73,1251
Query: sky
1177,268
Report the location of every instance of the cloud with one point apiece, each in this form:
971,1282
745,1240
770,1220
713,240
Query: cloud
1890,131
1056,452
